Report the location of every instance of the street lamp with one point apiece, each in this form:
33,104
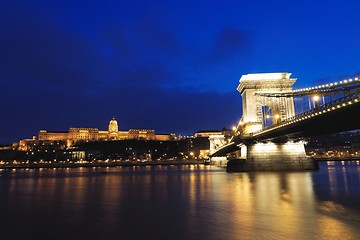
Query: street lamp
277,118
316,99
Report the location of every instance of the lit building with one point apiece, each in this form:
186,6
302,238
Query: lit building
207,133
53,136
94,134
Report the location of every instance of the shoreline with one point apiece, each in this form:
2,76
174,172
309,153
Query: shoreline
111,164
335,159
131,164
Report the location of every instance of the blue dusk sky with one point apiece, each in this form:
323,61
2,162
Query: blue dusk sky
172,66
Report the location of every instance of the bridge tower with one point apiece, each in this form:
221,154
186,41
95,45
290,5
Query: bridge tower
215,142
268,155
254,106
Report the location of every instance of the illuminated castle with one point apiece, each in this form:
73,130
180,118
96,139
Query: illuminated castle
94,134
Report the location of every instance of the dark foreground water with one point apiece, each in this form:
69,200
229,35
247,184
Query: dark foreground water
180,202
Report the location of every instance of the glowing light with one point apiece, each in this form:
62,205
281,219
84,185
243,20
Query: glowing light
265,76
316,98
265,146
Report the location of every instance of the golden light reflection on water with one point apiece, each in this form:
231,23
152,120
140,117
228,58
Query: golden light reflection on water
276,206
264,201
335,221
205,201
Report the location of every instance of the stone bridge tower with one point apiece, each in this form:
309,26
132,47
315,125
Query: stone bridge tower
253,105
217,141
268,155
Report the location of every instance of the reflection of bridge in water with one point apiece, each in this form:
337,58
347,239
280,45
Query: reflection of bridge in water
277,120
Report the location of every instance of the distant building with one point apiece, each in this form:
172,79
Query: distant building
94,134
207,133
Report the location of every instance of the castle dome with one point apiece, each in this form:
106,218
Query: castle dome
113,125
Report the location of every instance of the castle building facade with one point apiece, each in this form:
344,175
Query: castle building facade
94,134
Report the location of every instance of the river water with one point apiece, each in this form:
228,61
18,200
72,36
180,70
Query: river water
180,202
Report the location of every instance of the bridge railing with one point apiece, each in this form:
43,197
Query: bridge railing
338,103
344,85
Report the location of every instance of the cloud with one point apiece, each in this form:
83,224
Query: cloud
147,40
37,50
151,41
231,42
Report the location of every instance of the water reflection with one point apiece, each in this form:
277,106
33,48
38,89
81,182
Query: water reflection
180,202
272,205
339,182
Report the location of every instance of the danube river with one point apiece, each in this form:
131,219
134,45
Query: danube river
180,202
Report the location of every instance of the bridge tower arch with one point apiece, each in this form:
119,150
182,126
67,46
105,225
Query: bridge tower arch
268,155
252,103
215,142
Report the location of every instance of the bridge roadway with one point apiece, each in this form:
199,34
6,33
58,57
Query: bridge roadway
337,116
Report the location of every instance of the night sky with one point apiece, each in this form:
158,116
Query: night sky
172,66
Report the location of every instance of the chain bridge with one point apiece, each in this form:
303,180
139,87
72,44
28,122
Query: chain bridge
277,120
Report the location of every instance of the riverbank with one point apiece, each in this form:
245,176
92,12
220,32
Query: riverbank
93,164
20,165
335,159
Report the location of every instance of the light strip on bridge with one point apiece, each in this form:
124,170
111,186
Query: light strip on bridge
297,118
344,82
319,87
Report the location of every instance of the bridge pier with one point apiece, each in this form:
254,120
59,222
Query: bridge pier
271,156
219,161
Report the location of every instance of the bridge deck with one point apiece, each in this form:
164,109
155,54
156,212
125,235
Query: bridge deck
337,116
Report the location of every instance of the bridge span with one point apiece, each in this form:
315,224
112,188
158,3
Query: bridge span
274,127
